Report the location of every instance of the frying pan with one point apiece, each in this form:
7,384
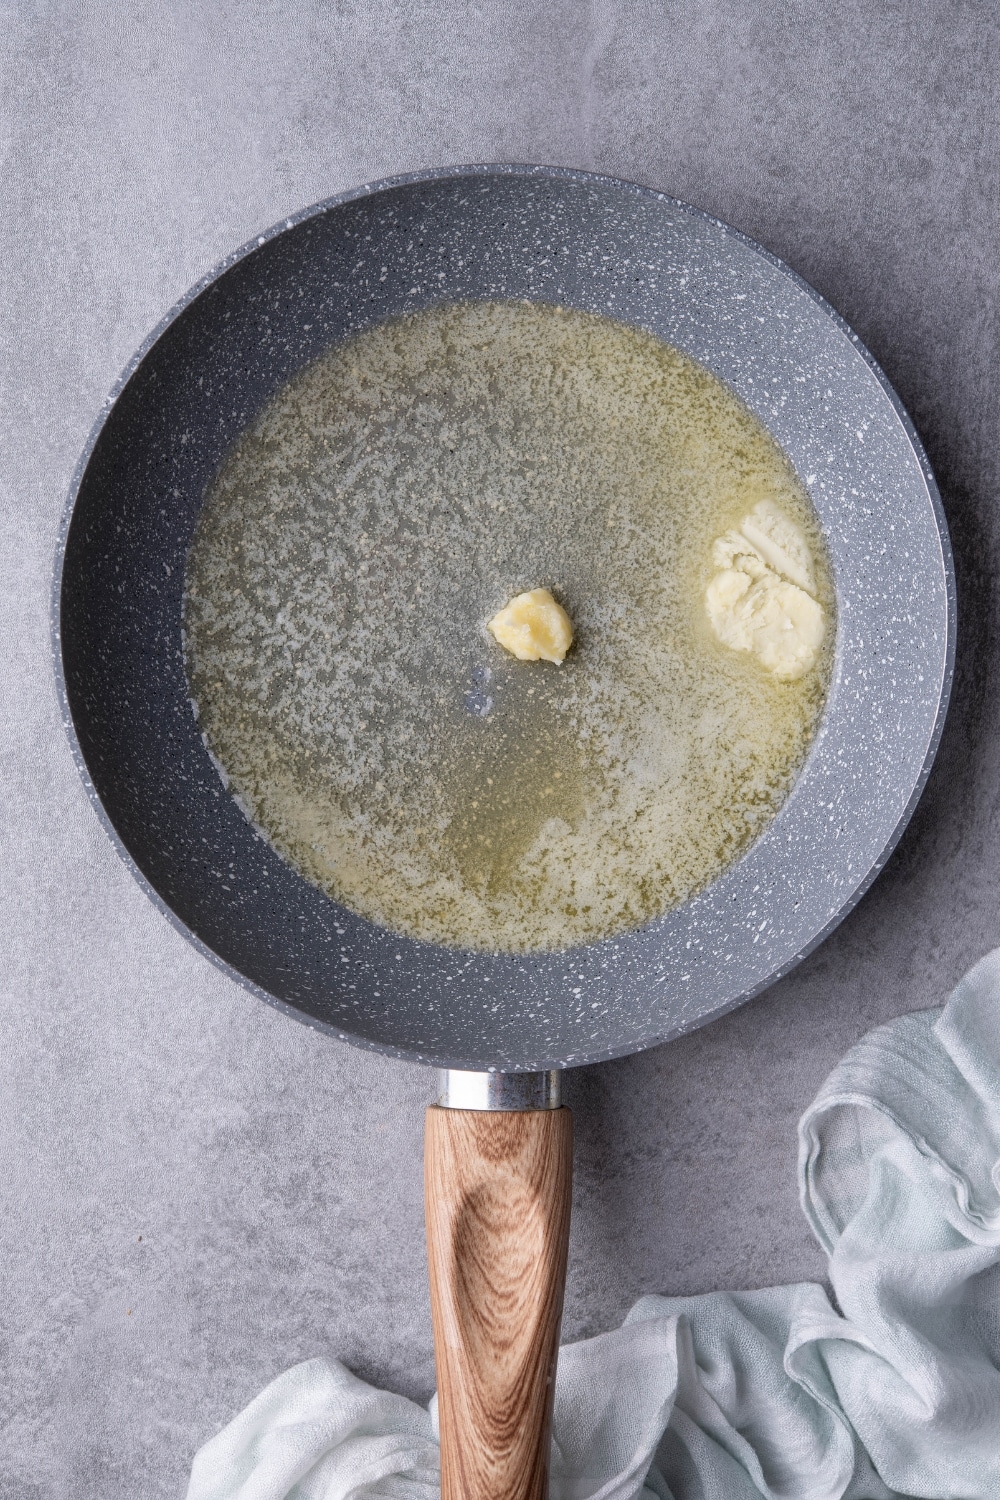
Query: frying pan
498,1144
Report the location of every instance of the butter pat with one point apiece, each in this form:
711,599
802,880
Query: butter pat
762,599
533,627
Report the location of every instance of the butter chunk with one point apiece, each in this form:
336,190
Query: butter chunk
762,598
776,620
781,544
768,539
533,627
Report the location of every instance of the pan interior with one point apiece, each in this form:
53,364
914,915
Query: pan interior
386,502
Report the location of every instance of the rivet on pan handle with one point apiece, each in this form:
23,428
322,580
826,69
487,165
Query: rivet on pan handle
497,1184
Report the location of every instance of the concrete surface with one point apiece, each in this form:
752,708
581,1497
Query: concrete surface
194,1191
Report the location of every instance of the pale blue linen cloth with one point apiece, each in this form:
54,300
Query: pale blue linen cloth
895,1391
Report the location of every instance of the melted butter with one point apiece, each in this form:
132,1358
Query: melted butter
381,509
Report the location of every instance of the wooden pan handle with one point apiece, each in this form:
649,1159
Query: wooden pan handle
497,1197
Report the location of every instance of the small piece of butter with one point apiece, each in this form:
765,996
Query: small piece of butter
762,599
533,627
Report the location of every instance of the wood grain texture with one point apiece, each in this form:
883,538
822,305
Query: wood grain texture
497,1196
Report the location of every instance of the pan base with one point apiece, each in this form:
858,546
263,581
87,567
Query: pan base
372,520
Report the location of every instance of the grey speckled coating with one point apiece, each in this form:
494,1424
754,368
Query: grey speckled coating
587,242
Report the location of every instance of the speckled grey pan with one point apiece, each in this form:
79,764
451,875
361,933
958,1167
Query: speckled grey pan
591,243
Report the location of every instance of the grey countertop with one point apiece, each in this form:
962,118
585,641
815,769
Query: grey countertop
196,1192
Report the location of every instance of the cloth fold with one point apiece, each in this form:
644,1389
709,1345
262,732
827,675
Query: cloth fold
892,1394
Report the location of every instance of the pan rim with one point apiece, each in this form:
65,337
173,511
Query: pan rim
479,171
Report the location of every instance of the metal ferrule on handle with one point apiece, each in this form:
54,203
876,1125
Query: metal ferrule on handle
515,1091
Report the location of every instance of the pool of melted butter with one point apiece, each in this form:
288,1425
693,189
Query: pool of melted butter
383,506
